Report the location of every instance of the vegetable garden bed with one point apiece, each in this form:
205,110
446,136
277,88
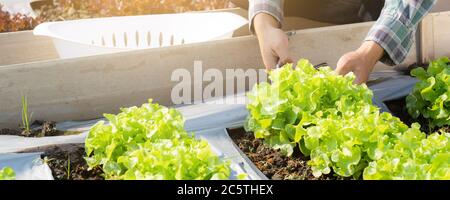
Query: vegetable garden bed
413,136
334,124
336,134
147,142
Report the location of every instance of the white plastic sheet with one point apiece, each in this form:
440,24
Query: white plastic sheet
224,146
10,143
27,166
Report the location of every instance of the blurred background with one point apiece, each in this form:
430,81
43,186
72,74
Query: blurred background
18,15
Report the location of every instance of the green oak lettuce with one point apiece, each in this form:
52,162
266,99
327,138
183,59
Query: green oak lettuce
300,96
414,156
333,121
431,95
149,142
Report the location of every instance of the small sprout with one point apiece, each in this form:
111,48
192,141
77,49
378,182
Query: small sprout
26,118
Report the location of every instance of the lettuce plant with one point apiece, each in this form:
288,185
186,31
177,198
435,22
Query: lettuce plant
300,96
414,156
431,95
7,173
334,122
149,142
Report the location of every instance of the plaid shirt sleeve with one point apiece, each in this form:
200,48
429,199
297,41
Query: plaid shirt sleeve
271,7
396,27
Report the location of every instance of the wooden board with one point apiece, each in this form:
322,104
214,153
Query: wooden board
84,88
23,47
435,36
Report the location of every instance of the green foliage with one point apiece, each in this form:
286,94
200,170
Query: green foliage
414,157
431,96
149,142
300,96
7,173
333,121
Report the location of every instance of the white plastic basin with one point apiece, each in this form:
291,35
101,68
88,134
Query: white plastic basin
107,35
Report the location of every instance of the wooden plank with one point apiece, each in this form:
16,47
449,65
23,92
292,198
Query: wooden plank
435,36
441,6
84,88
23,46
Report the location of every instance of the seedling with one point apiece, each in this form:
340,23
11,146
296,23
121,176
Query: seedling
68,167
25,117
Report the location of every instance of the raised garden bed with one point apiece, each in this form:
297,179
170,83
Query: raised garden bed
276,166
334,124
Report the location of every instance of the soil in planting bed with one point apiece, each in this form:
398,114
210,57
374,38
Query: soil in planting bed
67,162
46,128
272,163
398,109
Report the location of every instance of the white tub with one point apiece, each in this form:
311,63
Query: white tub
107,35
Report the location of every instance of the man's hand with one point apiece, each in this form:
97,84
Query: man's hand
273,42
361,61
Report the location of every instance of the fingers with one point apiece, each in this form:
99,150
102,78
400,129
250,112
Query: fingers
283,55
352,62
343,66
273,58
269,59
359,80
274,45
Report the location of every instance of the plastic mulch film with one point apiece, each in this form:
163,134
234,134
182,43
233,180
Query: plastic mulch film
27,166
221,142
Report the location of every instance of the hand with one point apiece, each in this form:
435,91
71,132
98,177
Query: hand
273,41
361,62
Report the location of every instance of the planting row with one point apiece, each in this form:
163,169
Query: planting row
147,142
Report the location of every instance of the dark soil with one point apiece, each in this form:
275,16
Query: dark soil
398,109
46,128
272,163
67,162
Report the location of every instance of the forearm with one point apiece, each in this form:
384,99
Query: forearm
394,31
